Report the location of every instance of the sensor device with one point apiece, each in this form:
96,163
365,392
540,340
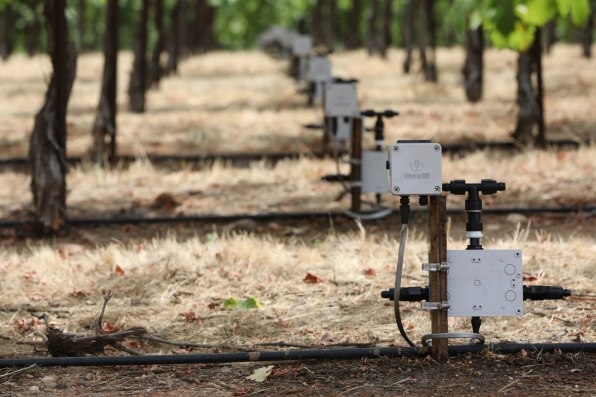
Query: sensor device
415,168
485,283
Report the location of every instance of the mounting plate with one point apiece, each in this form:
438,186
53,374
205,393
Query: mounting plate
301,45
415,168
485,283
374,172
341,100
318,69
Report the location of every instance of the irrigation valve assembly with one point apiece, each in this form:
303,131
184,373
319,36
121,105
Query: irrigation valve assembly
479,282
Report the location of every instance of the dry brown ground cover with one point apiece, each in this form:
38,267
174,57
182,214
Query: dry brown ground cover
173,279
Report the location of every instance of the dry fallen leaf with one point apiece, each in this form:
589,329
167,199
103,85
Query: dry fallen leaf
261,374
312,279
109,328
370,272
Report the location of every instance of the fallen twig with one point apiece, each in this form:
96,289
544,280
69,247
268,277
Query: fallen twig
8,375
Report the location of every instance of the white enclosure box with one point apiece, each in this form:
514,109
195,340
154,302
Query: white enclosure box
485,283
415,168
318,69
374,172
301,45
341,100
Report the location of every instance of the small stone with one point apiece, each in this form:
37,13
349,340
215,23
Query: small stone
48,379
34,389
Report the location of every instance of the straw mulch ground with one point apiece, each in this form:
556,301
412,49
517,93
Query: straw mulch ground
317,282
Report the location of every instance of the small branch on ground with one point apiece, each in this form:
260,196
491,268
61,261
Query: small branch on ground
5,377
61,344
184,344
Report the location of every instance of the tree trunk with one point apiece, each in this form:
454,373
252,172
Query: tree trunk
324,24
156,70
6,37
205,18
138,78
474,65
530,127
331,35
175,38
408,33
190,26
105,118
427,40
372,44
317,23
47,149
386,28
353,33
587,36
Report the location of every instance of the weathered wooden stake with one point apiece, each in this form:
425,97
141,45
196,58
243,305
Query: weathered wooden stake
356,166
438,279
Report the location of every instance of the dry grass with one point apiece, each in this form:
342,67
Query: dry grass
238,102
543,179
154,282
219,103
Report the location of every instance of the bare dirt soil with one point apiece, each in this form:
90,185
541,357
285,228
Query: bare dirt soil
173,279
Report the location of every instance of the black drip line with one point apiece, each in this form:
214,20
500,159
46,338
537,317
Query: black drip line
293,355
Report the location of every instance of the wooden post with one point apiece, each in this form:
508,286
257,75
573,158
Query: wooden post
438,279
356,165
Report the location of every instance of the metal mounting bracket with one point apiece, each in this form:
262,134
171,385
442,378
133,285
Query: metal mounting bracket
435,267
434,305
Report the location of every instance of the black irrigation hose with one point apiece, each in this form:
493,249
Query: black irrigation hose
8,223
290,355
232,158
245,158
277,216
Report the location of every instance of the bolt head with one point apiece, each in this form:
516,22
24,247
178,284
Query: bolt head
437,188
437,148
396,148
396,189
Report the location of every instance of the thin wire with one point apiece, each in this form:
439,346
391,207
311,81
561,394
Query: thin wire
398,274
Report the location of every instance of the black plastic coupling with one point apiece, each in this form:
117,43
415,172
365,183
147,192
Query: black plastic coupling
313,126
341,80
408,294
486,186
545,292
336,178
404,209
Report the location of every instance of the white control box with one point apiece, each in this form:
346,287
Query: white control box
301,45
374,172
485,283
415,168
341,100
318,69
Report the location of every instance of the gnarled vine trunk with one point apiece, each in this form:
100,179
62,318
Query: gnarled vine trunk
474,65
175,37
104,126
47,148
353,33
530,128
587,36
156,69
138,77
6,36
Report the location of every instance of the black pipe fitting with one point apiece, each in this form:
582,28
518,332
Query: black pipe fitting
531,293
